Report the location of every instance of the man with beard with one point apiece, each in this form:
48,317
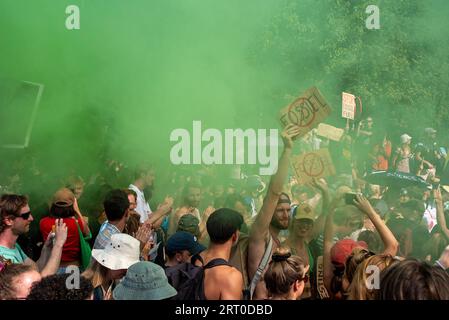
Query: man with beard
15,220
272,218
191,197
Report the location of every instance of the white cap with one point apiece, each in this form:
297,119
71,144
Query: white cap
405,138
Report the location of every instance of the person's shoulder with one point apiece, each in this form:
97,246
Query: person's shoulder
231,272
46,221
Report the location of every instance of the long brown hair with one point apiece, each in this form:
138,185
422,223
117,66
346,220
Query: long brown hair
358,290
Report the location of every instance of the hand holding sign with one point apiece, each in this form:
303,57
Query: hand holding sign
288,134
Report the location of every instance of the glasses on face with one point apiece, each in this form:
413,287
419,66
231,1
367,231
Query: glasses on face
305,278
25,216
305,225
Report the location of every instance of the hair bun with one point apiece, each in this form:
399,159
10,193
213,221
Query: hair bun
279,257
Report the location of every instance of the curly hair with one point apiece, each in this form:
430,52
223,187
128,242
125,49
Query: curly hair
54,287
8,275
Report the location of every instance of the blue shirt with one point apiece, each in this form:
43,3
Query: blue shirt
105,234
16,255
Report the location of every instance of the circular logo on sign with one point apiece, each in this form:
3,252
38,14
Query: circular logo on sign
313,165
301,112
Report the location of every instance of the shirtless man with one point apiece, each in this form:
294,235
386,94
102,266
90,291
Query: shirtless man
222,282
191,201
273,216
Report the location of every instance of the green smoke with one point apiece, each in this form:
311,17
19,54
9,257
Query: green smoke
136,70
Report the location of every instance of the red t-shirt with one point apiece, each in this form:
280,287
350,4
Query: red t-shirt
71,249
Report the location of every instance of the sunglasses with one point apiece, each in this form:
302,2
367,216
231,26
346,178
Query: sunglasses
305,279
25,216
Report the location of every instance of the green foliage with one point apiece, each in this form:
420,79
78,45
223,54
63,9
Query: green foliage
400,71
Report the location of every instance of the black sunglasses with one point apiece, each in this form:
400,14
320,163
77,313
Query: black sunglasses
305,279
25,216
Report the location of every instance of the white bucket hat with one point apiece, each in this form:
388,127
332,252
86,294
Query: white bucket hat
405,138
121,253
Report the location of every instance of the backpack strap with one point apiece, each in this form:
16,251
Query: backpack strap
195,258
215,263
263,263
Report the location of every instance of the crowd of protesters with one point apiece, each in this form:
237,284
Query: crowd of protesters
239,237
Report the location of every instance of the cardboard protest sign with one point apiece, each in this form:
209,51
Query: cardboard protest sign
348,106
306,111
310,165
330,132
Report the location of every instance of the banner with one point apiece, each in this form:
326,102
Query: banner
306,111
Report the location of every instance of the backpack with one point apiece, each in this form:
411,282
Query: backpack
188,279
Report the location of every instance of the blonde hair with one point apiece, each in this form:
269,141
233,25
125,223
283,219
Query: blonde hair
358,289
96,273
283,270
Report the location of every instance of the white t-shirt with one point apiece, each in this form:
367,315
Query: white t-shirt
143,208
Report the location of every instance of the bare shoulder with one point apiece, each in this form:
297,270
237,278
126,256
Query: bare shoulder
227,272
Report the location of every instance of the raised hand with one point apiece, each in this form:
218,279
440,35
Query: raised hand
207,212
363,204
143,233
289,132
167,205
59,236
320,184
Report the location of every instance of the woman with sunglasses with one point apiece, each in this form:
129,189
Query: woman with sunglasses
285,277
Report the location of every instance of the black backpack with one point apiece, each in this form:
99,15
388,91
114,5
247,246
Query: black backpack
188,279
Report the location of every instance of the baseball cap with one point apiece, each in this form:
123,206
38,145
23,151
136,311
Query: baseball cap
183,240
343,248
63,198
189,223
304,211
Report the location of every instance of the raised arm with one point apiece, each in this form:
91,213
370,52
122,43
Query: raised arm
261,224
84,226
157,217
391,245
320,221
50,258
440,212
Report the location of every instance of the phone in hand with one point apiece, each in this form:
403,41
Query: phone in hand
350,197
